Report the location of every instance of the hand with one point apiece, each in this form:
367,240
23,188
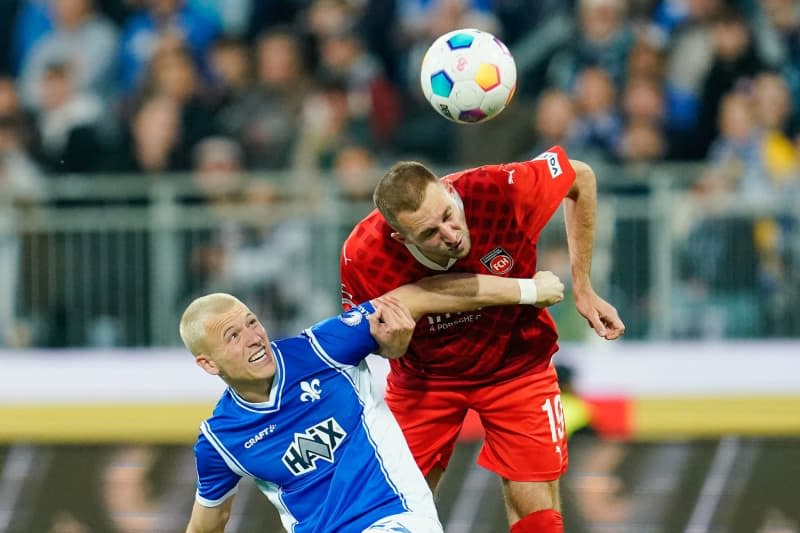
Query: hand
549,288
601,315
392,326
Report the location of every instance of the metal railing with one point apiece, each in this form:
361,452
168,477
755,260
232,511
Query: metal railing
112,261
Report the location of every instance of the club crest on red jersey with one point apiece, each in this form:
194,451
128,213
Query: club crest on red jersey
498,261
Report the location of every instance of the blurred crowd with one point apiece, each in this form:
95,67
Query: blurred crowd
137,85
331,88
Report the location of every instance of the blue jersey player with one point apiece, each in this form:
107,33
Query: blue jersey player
300,417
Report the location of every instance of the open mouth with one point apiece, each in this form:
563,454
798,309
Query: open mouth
258,356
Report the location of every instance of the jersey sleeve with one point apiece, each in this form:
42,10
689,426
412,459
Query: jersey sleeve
364,270
346,338
352,283
538,186
215,481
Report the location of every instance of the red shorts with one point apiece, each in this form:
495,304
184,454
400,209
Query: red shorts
523,421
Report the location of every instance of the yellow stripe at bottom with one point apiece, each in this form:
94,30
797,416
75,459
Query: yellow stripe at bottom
153,423
656,418
652,419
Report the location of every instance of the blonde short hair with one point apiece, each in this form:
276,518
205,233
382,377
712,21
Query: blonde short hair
401,189
193,321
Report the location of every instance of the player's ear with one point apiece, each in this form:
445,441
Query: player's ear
204,362
396,235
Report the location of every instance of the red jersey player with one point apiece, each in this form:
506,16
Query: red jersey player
495,361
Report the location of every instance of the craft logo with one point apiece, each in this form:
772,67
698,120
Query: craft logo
498,261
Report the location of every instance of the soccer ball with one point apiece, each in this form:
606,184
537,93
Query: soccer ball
468,76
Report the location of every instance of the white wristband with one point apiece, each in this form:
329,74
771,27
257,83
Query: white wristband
528,293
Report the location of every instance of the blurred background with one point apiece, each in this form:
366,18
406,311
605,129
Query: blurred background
155,150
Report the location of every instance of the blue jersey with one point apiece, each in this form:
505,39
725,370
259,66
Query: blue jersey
324,449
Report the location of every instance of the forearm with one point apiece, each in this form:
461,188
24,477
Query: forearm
209,519
452,293
580,208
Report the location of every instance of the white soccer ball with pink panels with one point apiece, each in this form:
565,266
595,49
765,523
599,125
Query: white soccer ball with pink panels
468,76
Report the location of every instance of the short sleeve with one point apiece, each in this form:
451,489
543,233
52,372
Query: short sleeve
215,481
538,186
346,338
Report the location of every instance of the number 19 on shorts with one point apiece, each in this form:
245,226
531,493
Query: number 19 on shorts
555,416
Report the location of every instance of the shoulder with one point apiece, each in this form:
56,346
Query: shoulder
372,224
479,181
371,238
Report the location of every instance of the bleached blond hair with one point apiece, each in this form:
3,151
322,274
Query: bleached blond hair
193,321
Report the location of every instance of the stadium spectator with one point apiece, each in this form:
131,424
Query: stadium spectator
265,120
598,124
83,39
776,29
496,362
327,125
727,301
343,466
553,121
646,60
161,19
773,112
31,23
70,123
20,183
153,142
370,95
734,63
173,75
267,261
233,15
231,72
643,138
11,110
690,50
356,171
601,40
8,11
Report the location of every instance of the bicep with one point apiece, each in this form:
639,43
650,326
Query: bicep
210,519
584,179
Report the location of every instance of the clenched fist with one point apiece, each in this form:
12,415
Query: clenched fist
549,288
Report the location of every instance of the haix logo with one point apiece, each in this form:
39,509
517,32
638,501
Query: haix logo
318,442
498,261
552,163
311,390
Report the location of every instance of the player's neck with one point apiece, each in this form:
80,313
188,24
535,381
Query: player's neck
254,391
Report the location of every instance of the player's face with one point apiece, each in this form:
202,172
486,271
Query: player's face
240,351
438,228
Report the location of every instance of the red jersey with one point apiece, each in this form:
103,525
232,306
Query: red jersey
506,207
